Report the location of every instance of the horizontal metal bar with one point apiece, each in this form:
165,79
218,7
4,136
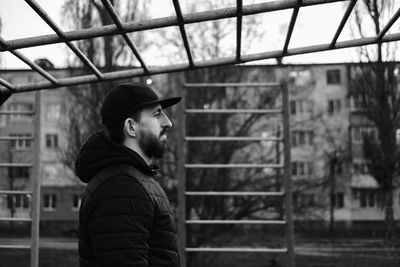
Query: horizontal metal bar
280,222
10,219
16,165
5,112
122,74
223,85
15,246
15,192
11,138
237,249
233,138
235,111
242,165
215,193
157,23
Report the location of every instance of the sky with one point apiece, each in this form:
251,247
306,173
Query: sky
314,25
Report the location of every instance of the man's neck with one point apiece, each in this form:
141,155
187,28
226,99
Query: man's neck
135,147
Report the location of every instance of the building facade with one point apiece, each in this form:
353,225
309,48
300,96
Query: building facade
329,172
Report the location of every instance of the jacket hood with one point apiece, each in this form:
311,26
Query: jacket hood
99,152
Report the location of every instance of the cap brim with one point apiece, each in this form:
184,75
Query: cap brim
165,103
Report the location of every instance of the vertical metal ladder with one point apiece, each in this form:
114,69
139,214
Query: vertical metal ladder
34,179
182,166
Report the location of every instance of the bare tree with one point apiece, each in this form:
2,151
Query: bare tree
109,53
374,85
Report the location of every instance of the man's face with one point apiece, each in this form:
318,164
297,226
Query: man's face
151,133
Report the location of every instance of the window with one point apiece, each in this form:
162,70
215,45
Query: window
301,168
303,199
357,102
18,172
300,107
76,202
369,198
360,167
333,76
334,106
53,111
338,200
18,201
50,202
359,132
51,140
302,137
21,107
22,143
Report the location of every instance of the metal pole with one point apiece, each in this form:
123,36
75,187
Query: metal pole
35,209
287,176
181,179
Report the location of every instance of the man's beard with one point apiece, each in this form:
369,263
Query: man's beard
152,145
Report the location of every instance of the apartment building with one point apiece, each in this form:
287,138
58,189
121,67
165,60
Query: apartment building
60,189
326,129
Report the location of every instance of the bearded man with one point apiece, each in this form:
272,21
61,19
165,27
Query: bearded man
125,218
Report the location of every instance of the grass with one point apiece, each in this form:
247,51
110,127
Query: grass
69,258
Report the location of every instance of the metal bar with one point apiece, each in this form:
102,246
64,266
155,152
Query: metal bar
15,192
212,193
15,247
291,26
388,25
224,85
86,79
247,249
7,85
287,176
12,219
235,111
33,66
181,24
10,138
274,222
239,7
181,178
15,165
343,21
245,165
36,7
233,138
120,27
36,184
5,112
158,23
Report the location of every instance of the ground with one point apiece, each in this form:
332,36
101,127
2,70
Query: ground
62,252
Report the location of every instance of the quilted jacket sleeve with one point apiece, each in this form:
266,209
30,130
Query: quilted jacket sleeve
120,222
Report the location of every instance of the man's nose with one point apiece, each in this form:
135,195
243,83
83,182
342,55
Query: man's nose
166,122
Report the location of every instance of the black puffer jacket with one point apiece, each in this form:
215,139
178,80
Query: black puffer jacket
125,217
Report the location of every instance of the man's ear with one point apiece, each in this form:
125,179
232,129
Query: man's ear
130,127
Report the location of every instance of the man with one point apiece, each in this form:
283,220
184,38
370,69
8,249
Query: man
125,218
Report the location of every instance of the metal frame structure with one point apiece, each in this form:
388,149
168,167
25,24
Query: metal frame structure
35,183
180,20
182,166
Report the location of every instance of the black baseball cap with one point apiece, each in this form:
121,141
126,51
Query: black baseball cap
126,99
